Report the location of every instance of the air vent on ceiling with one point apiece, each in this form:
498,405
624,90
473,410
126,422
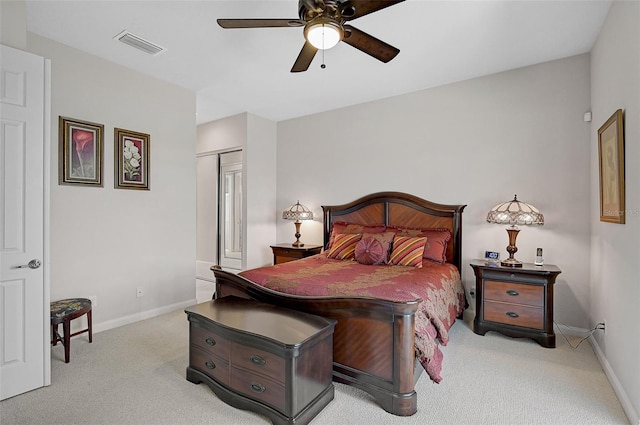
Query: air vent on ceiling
139,43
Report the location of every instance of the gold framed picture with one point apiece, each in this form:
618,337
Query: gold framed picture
131,159
80,152
611,160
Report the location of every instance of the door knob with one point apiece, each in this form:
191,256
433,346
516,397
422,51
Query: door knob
33,264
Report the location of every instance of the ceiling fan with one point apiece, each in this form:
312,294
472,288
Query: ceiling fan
324,23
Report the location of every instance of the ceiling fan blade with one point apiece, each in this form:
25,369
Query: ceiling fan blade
352,9
369,44
259,23
304,58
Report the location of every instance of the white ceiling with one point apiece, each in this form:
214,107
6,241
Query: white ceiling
247,70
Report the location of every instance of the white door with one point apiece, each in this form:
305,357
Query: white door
230,220
24,299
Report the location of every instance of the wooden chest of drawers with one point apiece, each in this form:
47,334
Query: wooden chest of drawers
263,358
515,301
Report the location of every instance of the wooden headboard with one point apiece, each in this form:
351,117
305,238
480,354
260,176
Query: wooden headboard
400,209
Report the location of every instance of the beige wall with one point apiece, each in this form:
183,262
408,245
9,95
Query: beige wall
477,142
107,242
13,24
615,250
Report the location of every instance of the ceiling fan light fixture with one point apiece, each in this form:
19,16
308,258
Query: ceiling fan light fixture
323,34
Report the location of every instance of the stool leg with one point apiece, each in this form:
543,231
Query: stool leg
54,335
90,328
66,328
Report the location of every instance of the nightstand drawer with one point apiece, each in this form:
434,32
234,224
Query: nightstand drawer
279,259
283,253
510,292
514,314
210,342
209,364
258,361
287,252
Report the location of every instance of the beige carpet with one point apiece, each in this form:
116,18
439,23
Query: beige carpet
136,375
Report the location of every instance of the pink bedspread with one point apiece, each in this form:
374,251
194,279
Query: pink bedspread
438,285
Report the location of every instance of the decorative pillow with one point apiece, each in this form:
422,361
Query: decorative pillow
340,227
344,246
370,251
407,251
436,247
386,239
437,240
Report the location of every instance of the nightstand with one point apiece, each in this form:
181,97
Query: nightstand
517,302
284,252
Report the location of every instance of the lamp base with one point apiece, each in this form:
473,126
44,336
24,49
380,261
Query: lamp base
512,248
297,243
511,262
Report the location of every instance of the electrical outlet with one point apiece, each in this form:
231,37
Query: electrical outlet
472,291
139,292
94,300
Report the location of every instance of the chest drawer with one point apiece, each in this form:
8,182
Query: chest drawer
258,387
210,342
514,314
209,364
510,292
258,361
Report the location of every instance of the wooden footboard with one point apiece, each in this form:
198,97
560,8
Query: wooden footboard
373,339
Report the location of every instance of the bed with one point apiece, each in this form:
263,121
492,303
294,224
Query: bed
384,337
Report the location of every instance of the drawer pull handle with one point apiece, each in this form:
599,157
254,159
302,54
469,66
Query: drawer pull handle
512,293
257,360
210,364
210,341
258,387
512,314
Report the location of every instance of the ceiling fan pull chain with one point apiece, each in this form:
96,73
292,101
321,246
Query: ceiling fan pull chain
323,66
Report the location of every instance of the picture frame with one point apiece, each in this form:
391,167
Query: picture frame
611,164
131,159
80,148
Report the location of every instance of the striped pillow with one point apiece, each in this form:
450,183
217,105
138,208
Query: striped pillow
407,251
343,246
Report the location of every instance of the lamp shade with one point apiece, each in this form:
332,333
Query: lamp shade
515,213
297,212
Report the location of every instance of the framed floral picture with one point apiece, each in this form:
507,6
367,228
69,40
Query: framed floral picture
611,161
80,152
131,159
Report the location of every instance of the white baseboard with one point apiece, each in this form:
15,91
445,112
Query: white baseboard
116,323
627,406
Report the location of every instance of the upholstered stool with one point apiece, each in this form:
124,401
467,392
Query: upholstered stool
64,311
